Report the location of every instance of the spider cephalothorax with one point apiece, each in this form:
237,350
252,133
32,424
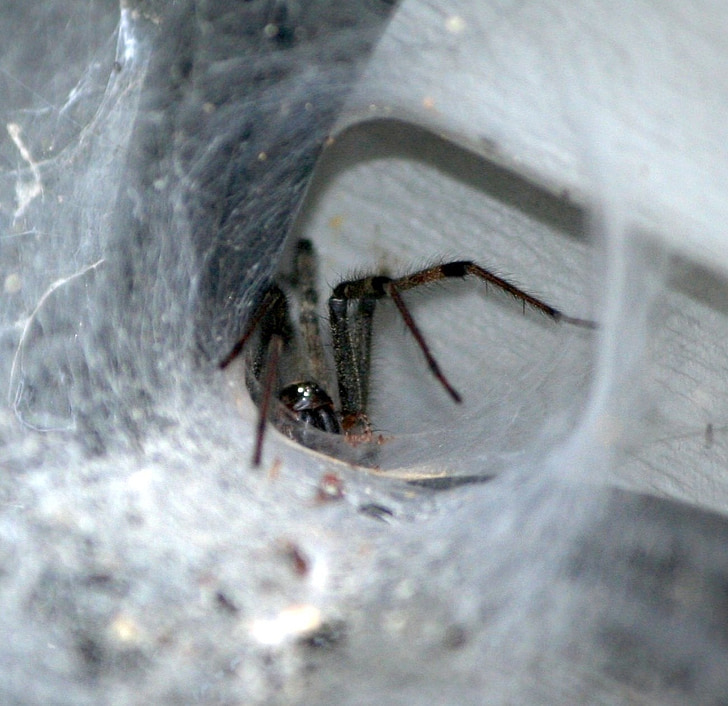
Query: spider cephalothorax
311,404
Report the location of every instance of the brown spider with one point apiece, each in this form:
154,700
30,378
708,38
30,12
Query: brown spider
351,311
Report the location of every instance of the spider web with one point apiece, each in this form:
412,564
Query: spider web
153,158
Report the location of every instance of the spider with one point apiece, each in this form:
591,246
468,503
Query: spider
306,401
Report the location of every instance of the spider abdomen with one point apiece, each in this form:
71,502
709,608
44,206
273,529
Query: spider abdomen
311,404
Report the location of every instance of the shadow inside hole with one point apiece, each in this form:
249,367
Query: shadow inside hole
396,140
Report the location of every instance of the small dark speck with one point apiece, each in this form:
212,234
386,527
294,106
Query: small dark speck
99,579
328,636
224,603
134,519
117,67
92,654
378,512
106,583
455,637
488,144
299,561
449,482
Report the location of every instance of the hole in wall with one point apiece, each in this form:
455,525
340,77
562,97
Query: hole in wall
391,198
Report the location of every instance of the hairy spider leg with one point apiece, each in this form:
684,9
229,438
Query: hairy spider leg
462,268
351,310
305,275
414,329
304,278
274,349
276,332
270,299
350,320
351,313
271,319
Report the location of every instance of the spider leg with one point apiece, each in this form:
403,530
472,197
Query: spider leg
462,268
351,336
305,275
351,309
271,298
271,318
274,350
417,334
